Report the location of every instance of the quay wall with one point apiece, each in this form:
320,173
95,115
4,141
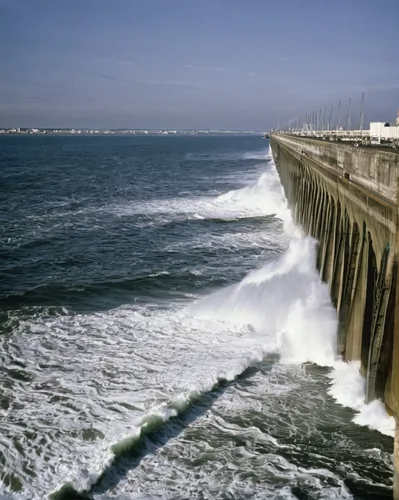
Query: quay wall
346,198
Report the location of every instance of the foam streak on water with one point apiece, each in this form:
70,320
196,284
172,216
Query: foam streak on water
246,369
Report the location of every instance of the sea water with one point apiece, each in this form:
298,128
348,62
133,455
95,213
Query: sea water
165,332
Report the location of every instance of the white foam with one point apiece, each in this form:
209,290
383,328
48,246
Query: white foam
285,302
348,388
141,368
264,197
252,238
278,308
159,273
265,154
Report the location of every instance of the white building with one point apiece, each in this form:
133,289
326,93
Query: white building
384,131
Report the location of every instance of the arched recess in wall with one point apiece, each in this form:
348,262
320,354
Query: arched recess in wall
332,276
343,258
341,232
372,273
327,238
338,225
354,247
385,361
321,229
320,213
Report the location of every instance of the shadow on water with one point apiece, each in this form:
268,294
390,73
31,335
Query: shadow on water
130,452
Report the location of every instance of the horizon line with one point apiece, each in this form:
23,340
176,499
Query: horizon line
135,129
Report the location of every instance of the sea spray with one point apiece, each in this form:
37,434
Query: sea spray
285,303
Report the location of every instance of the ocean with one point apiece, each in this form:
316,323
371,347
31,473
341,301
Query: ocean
164,333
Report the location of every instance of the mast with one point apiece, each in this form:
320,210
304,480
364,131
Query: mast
361,114
348,120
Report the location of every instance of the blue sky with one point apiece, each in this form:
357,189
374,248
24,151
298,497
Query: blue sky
240,64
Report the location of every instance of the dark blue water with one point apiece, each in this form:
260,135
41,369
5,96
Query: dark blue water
164,332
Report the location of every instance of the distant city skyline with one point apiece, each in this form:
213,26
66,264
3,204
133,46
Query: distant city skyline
127,131
183,64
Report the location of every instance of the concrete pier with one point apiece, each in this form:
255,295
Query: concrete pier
347,198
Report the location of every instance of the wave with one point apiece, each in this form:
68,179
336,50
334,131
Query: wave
262,198
287,302
91,368
152,422
282,308
284,301
264,155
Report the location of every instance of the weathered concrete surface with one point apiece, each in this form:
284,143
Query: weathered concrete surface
372,168
355,220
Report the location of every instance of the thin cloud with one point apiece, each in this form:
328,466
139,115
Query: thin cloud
211,69
125,62
145,81
208,68
173,83
118,62
105,76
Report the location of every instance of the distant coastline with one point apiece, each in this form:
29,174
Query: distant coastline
120,131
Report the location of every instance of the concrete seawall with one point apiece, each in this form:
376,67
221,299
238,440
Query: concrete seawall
346,198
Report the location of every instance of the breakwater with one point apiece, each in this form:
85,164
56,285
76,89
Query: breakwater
347,198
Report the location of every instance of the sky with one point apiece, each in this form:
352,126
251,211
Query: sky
219,64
